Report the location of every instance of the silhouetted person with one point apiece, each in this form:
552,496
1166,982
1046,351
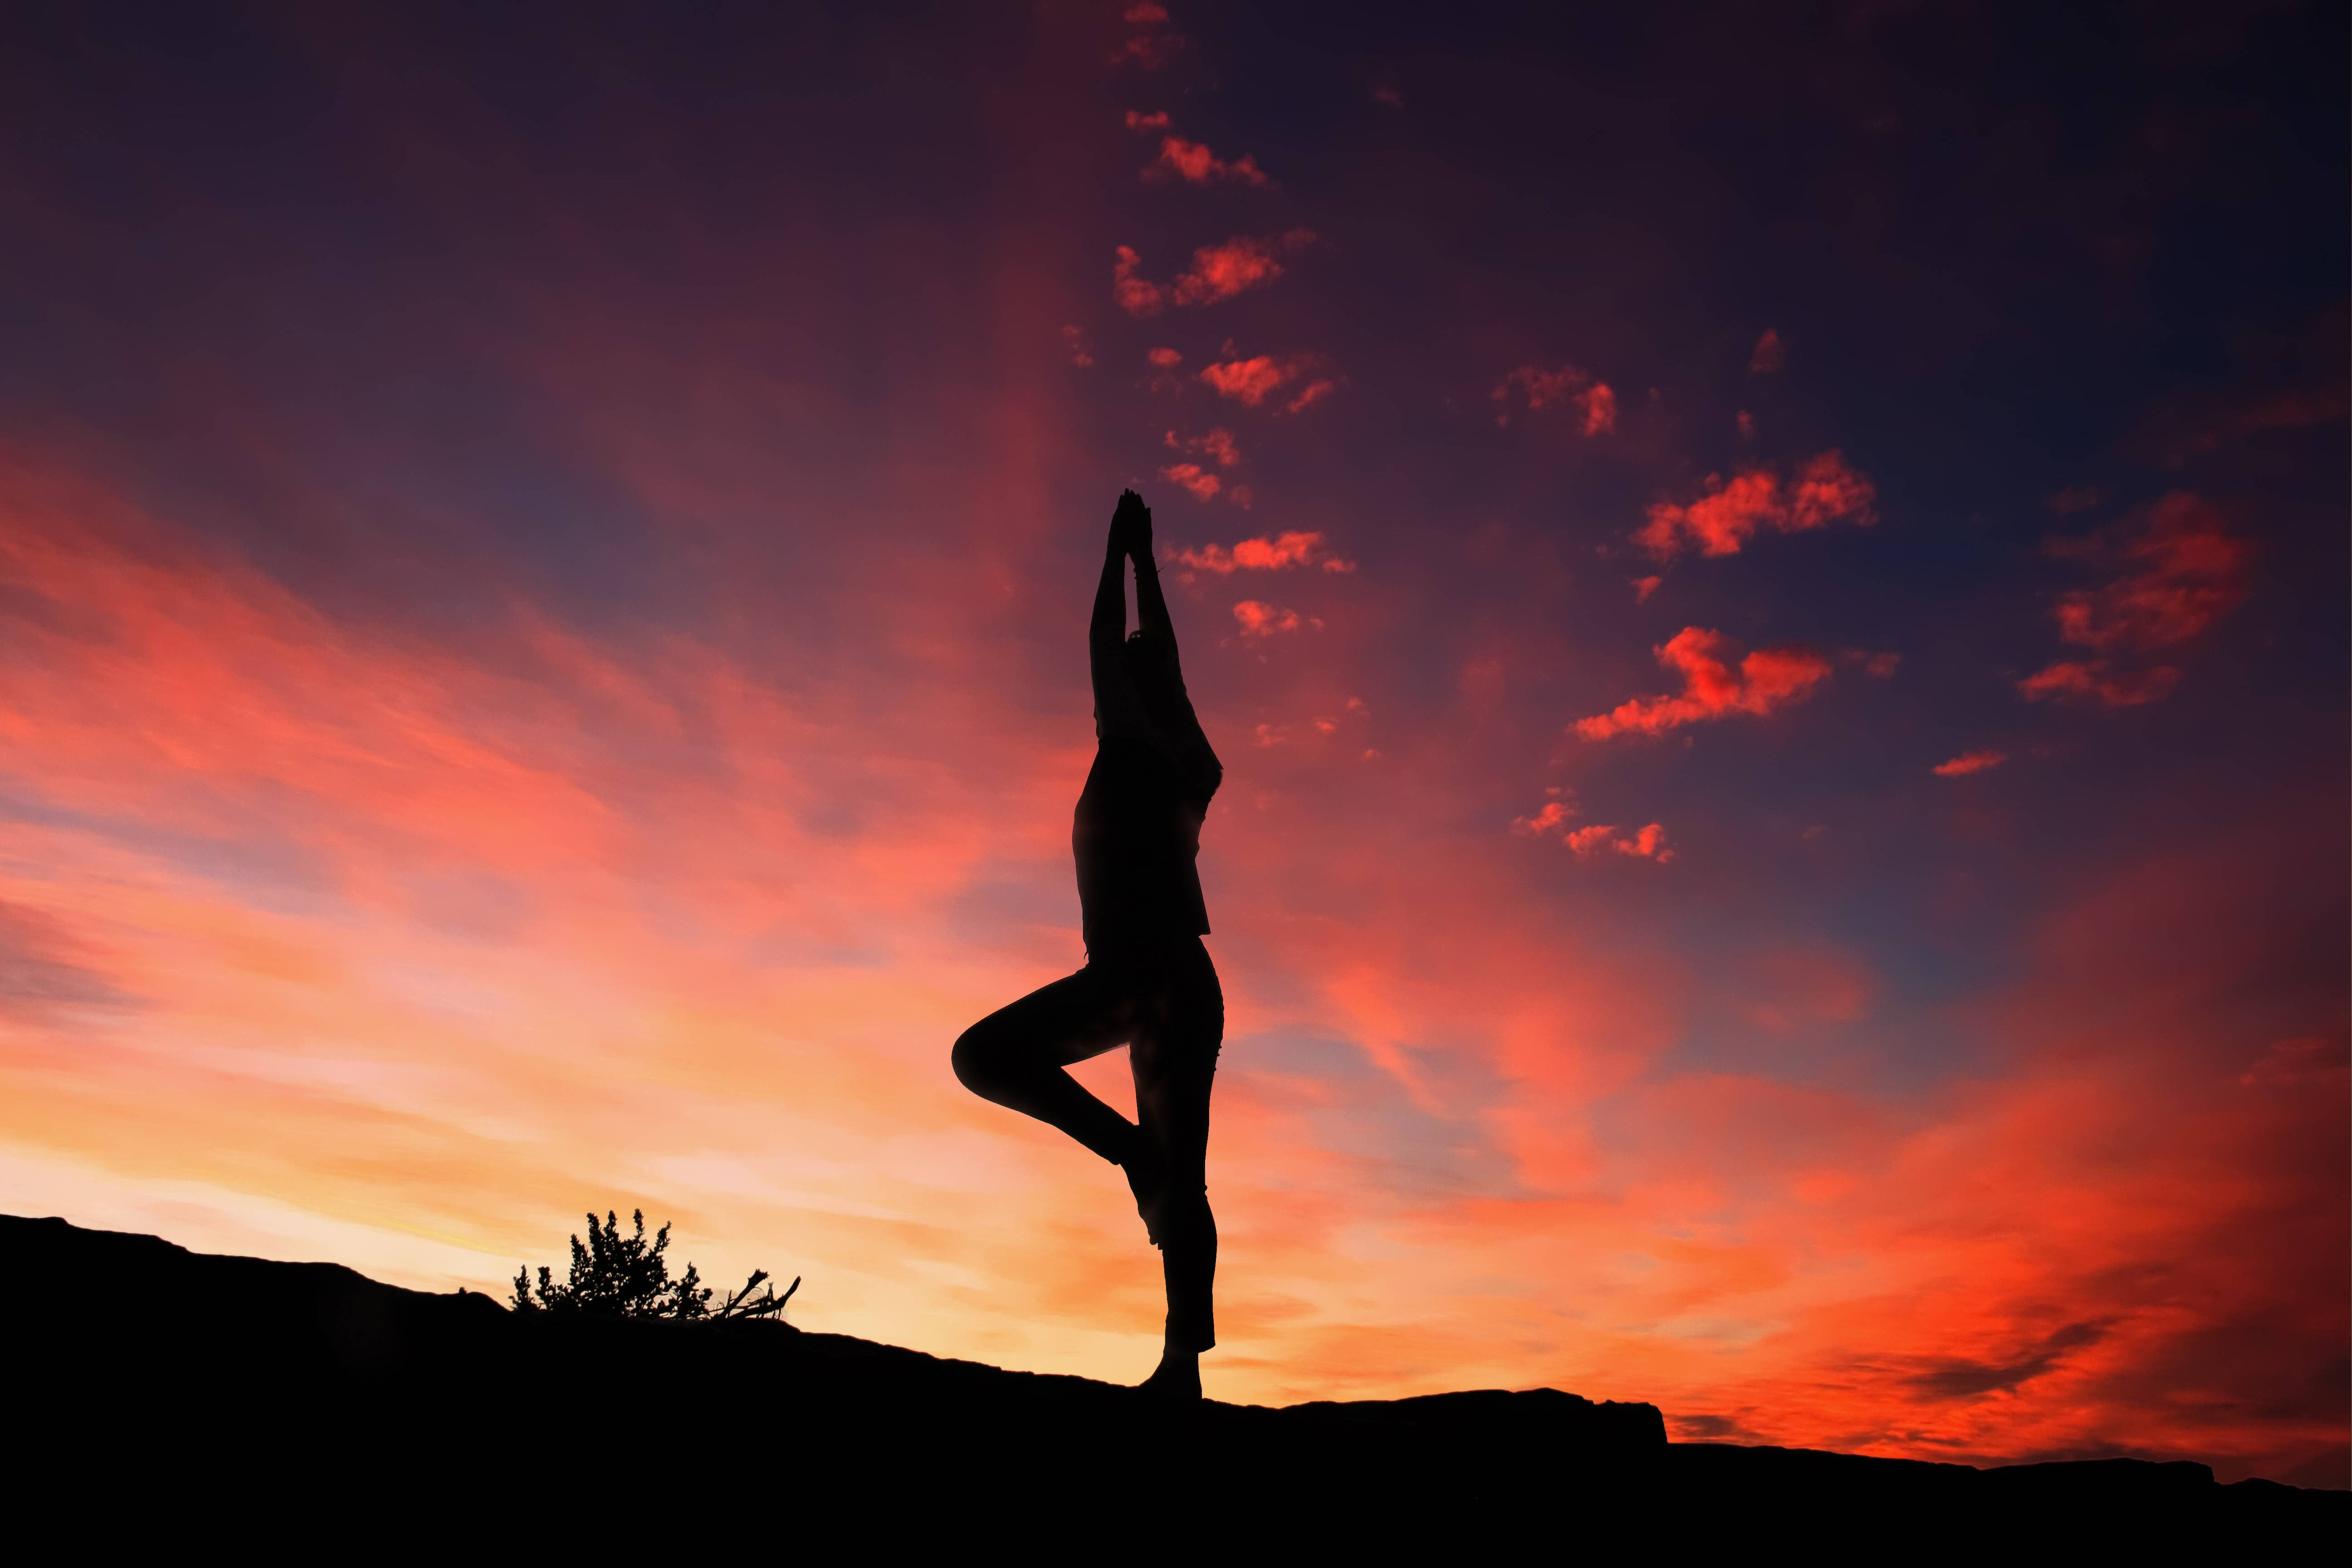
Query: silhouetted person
1147,982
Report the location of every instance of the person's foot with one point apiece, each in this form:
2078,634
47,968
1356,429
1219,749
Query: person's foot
1177,1379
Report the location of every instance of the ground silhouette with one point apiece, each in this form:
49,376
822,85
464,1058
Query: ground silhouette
157,1383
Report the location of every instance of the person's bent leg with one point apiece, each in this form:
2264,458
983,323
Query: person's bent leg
1016,1055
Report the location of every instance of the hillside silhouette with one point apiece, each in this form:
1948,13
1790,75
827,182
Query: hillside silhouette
192,1385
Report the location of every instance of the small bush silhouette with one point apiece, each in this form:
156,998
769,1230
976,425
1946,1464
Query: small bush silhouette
617,1276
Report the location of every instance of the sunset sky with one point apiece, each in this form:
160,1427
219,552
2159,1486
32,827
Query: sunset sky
1771,584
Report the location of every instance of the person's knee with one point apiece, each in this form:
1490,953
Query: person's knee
976,1060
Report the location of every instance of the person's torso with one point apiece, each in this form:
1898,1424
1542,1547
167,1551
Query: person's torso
1136,836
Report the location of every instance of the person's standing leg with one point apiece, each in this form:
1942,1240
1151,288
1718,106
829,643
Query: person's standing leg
1179,1031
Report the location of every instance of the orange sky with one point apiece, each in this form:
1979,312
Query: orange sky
541,665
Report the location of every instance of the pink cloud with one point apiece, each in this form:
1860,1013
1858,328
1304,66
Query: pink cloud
1968,762
1253,381
1877,666
1766,680
1539,389
1243,263
1648,842
1770,354
1136,120
1193,163
1217,444
1723,521
1203,484
1166,359
1248,380
2175,577
2182,574
1277,554
1259,619
1643,587
1218,272
1149,50
1135,296
1076,342
1313,392
1599,409
2097,680
1553,815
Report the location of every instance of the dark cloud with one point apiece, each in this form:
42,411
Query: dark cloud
41,972
1958,1379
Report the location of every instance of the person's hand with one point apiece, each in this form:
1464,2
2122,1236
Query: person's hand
1130,526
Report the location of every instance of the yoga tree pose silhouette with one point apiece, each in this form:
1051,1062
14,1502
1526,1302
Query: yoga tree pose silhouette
1148,982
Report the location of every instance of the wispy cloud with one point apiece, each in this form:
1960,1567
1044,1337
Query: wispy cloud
1721,523
1218,272
1533,389
1648,843
1279,552
1968,762
1193,163
1260,620
2174,577
1768,356
1202,484
1252,381
1767,679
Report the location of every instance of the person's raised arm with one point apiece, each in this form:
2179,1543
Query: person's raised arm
1118,709
1150,604
1151,611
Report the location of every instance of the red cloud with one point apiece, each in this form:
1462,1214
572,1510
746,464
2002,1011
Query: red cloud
1266,554
1193,161
1770,353
1722,521
1218,444
1253,381
1259,619
1221,271
1600,410
1218,272
1146,49
2177,576
1248,380
1166,359
1135,296
1203,484
1649,842
1076,342
1643,587
1136,120
1968,762
1542,388
2096,680
1553,813
1766,680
